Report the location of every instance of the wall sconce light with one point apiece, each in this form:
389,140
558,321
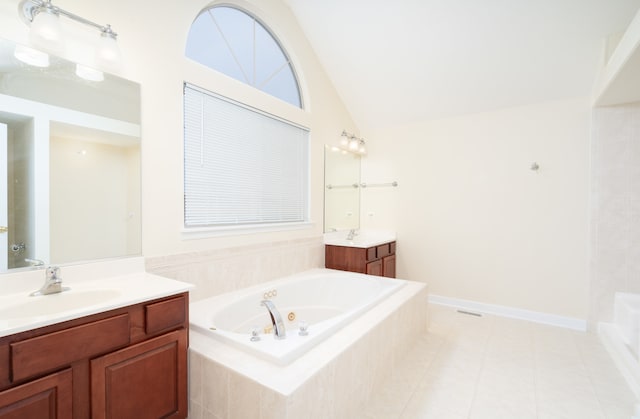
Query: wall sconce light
46,31
351,143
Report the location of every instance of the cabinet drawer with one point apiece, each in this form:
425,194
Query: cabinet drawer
44,353
383,250
165,315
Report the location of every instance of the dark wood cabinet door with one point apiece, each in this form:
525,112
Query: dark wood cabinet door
389,266
375,267
143,381
46,398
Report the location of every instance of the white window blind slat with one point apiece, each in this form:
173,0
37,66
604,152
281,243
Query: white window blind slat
241,166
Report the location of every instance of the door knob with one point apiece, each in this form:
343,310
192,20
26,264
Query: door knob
4,229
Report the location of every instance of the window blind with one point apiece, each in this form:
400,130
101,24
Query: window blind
241,166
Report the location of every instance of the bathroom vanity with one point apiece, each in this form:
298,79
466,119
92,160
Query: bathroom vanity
104,360
367,253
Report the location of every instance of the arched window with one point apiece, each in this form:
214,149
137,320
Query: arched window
245,169
233,42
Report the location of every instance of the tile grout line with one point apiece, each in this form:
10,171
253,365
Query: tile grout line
536,396
482,366
591,380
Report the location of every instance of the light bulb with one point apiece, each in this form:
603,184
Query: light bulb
344,141
46,31
89,73
31,56
353,144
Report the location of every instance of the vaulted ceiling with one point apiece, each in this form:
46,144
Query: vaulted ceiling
396,62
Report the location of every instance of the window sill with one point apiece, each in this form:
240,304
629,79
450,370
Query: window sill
193,233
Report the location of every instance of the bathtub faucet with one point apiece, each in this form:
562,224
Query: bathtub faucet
276,319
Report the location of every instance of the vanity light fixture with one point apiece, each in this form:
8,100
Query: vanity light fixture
46,31
351,143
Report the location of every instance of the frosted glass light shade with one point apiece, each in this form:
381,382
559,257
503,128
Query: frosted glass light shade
31,56
46,31
108,53
89,73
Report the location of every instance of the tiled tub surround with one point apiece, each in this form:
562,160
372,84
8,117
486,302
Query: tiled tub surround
622,338
333,380
615,207
219,271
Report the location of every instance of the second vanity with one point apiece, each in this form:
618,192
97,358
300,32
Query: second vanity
366,252
114,347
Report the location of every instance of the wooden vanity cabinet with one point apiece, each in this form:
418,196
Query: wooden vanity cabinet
377,260
125,363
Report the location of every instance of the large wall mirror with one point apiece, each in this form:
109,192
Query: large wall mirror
69,161
341,190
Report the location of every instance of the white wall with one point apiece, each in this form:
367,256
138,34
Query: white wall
152,37
472,219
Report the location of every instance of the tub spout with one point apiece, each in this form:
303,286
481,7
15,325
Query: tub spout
276,319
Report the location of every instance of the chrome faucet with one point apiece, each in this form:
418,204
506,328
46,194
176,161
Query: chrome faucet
52,283
276,319
352,233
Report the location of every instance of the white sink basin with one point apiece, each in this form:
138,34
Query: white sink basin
94,288
363,239
25,306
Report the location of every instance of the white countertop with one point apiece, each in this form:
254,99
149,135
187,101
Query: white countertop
363,239
90,293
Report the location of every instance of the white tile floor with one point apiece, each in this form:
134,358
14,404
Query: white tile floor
491,367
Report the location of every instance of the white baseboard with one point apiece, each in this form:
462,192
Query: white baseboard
511,312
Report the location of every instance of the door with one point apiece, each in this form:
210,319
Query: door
375,267
4,210
389,266
144,381
46,398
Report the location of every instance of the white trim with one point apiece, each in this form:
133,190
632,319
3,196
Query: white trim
622,357
511,312
192,233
